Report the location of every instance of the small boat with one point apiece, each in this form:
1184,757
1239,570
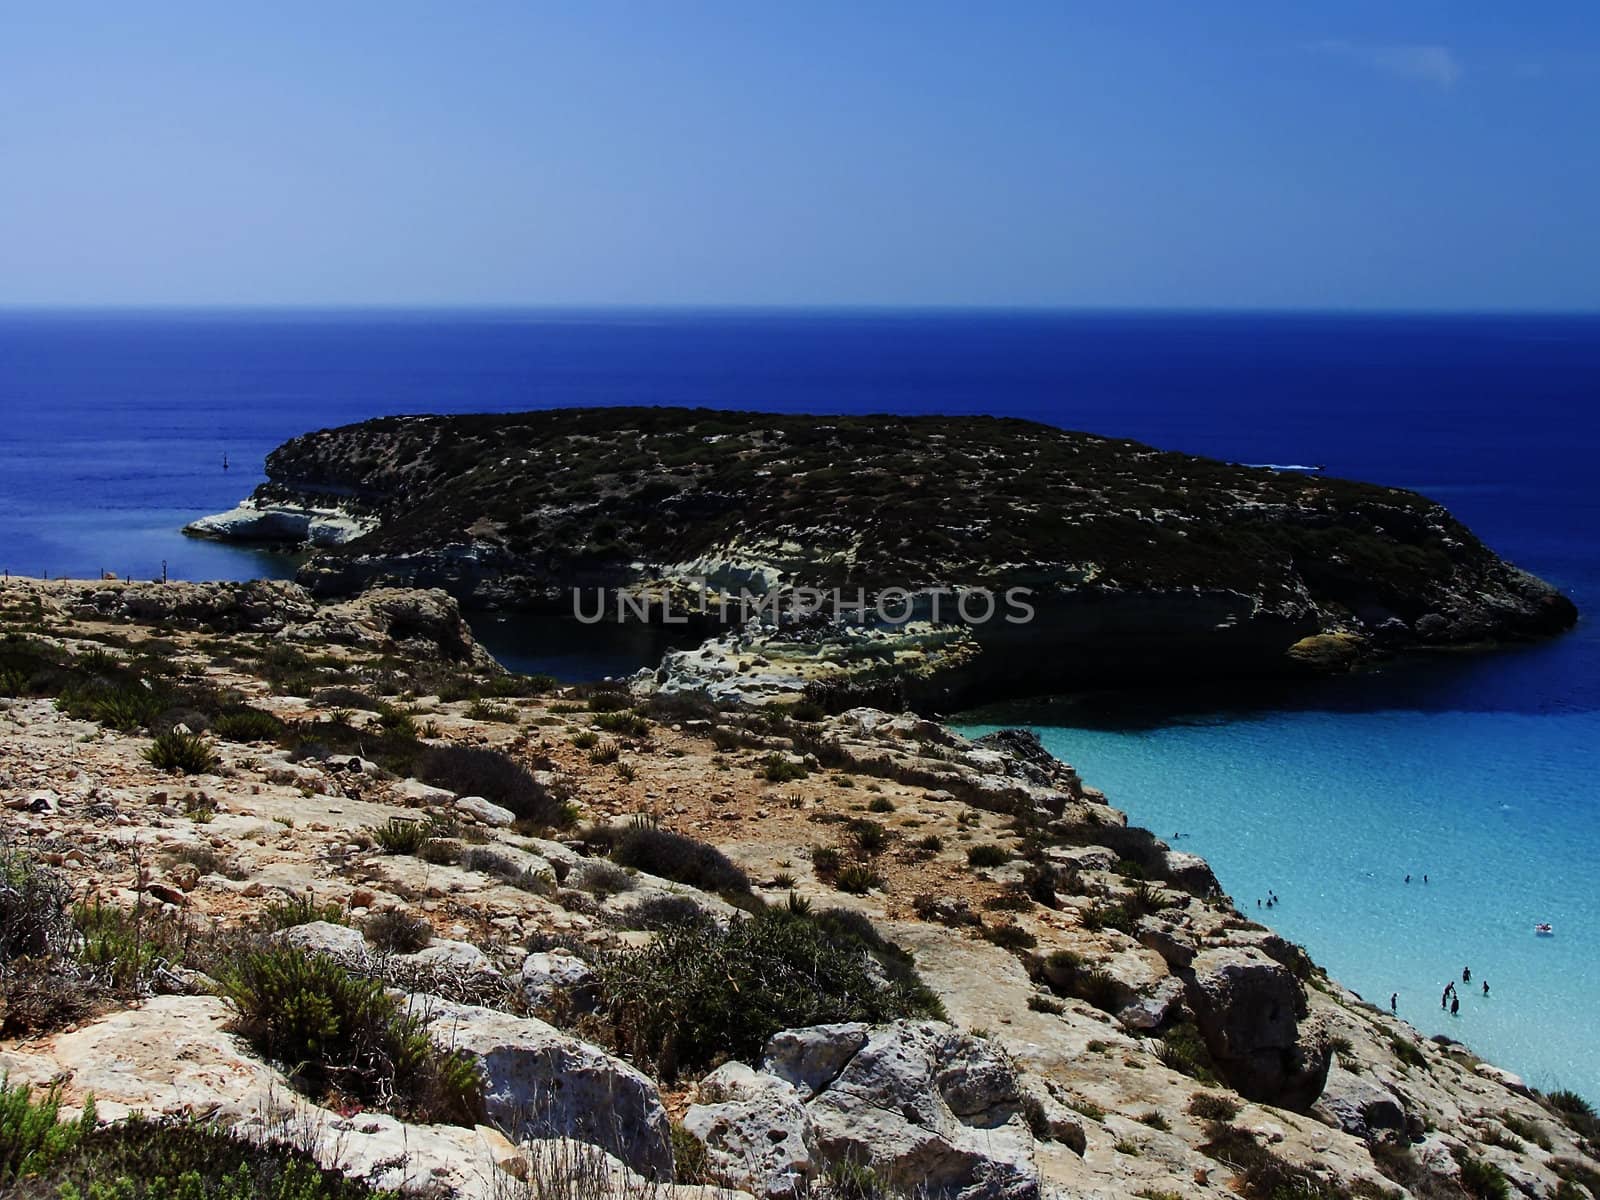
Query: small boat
1544,929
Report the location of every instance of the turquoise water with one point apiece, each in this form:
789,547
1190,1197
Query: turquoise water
1331,810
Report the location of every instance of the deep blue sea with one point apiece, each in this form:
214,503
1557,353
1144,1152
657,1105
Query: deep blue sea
1480,772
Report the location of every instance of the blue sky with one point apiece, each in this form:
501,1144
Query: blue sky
1241,154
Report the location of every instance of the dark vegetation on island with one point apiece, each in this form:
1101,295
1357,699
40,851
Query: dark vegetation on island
1143,562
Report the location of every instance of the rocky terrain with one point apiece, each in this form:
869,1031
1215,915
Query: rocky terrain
316,887
1137,563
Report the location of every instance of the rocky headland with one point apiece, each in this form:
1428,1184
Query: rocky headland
1137,564
310,890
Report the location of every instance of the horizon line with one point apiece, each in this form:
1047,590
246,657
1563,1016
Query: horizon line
733,308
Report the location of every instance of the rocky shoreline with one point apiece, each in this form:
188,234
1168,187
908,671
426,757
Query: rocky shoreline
1137,565
1011,994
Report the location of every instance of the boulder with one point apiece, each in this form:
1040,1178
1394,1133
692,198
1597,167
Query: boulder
447,955
1357,1106
1190,872
486,811
171,1055
1249,1008
423,793
540,1083
1504,1078
812,1058
324,937
893,1106
1176,947
1081,858
1149,1010
545,975
756,1132
975,1076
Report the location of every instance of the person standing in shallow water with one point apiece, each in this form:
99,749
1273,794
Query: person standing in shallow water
1394,1002
1455,1005
1485,987
1466,974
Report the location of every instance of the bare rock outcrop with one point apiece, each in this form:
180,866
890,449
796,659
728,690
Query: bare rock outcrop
756,1132
930,1106
540,1083
1251,1010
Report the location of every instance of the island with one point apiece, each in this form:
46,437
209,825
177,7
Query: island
1108,561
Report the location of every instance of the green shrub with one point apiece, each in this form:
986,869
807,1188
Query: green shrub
1213,1106
665,912
1010,936
826,861
1408,1053
870,837
141,1159
31,1135
602,879
1483,1180
857,878
1184,1050
610,700
182,753
397,724
300,909
486,710
479,771
401,835
881,804
34,901
397,932
247,724
1528,1131
623,724
346,698
121,708
480,858
987,855
690,1163
700,993
337,1031
776,768
1100,915
1260,1174
656,851
1009,901
42,984
1577,1112
122,950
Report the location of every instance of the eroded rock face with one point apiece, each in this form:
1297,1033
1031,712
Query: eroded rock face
756,1132
1249,1008
1357,1106
933,1108
540,1082
325,937
921,1103
812,1058
426,623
